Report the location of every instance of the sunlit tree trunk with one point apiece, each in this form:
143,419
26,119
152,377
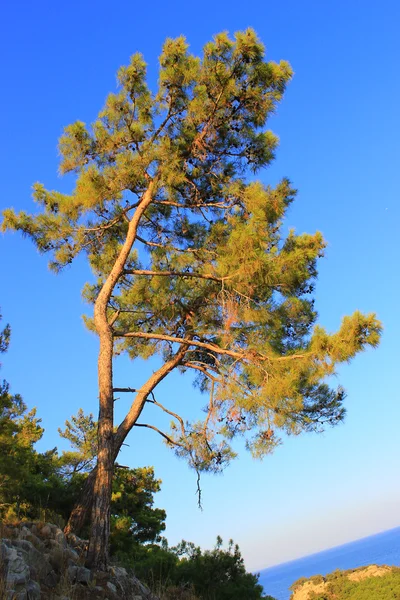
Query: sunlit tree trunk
100,524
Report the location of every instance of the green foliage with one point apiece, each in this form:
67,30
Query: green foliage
211,271
381,587
81,432
134,520
216,574
45,486
19,430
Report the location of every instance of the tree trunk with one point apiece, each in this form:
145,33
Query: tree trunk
81,510
80,513
100,523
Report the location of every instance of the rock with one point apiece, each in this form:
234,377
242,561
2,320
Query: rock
57,558
72,554
36,559
25,545
72,570
33,590
78,574
28,535
76,542
45,532
24,531
42,564
101,577
83,575
60,538
118,572
18,572
51,579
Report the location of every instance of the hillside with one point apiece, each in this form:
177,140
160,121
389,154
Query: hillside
366,583
38,563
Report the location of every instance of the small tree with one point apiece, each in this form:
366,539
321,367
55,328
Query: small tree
134,519
191,262
217,574
23,483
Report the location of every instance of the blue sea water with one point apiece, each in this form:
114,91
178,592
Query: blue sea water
381,549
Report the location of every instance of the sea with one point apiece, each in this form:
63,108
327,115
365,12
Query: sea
381,549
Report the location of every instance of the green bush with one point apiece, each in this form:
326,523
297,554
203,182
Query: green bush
339,586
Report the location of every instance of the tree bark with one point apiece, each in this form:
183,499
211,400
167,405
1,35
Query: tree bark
97,556
80,513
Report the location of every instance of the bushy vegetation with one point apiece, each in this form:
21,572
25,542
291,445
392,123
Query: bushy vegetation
45,486
383,587
217,574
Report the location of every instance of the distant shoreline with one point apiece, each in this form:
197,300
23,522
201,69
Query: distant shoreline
381,548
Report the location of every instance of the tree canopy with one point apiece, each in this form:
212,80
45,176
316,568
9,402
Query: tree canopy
19,430
190,257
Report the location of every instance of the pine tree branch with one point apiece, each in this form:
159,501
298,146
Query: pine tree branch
144,392
207,346
220,205
164,435
169,412
175,274
171,338
173,248
114,317
111,223
202,369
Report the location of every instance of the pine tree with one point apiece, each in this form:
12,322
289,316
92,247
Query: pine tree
134,519
191,262
81,432
19,431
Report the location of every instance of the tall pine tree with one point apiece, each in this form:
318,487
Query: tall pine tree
190,259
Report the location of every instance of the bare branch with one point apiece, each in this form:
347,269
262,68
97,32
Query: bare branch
114,317
175,274
189,342
199,367
241,356
169,412
210,408
164,435
143,393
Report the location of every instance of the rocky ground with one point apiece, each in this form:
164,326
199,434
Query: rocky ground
38,563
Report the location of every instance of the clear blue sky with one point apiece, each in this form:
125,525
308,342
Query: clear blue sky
339,131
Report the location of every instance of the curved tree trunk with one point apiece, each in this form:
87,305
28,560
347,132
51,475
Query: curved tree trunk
100,523
80,513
